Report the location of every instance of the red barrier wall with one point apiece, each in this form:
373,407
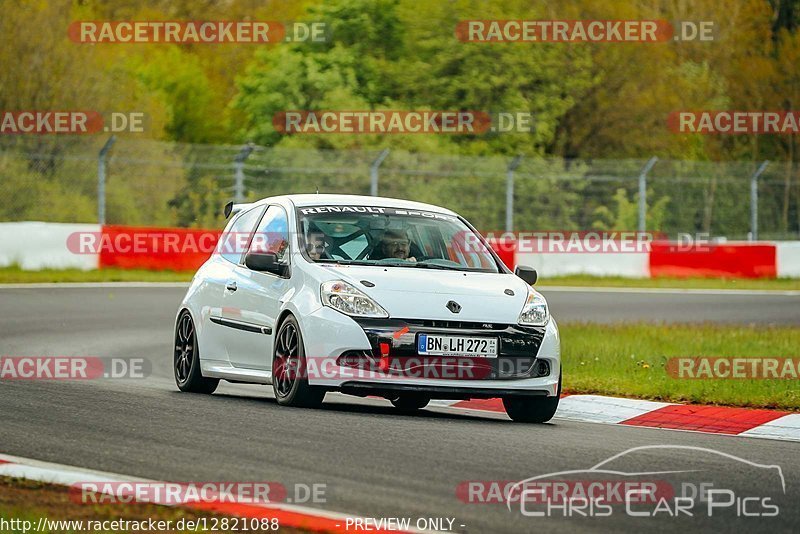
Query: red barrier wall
739,260
183,249
506,249
174,249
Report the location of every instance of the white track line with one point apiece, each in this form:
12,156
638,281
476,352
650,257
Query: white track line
65,475
615,410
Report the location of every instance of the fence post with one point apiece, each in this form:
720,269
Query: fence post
754,200
238,174
373,172
512,166
643,193
101,180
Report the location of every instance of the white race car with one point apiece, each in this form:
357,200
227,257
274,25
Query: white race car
366,296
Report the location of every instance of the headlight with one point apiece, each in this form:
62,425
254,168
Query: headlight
345,298
535,311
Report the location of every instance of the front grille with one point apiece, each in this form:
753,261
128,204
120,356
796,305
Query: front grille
518,345
470,325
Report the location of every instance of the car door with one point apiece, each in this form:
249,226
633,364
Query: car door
257,296
219,274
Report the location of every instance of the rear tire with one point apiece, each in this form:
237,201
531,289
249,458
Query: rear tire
289,377
410,403
532,409
186,362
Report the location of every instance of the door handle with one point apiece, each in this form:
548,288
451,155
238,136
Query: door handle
231,286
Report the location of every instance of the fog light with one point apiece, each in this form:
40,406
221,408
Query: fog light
541,368
357,359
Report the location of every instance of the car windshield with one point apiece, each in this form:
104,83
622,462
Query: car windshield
373,235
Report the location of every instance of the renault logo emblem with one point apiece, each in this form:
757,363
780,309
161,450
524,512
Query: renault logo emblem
454,306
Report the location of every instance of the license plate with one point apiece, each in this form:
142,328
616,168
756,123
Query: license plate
434,345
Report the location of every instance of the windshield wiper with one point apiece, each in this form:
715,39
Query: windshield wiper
429,266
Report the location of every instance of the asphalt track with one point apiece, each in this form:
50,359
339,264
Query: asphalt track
372,461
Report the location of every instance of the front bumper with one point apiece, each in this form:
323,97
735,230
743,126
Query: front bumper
328,335
382,389
517,351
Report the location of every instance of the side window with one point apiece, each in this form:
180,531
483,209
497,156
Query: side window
272,234
234,242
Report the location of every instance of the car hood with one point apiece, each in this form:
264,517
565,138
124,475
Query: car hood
415,293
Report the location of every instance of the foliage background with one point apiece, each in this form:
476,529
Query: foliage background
592,103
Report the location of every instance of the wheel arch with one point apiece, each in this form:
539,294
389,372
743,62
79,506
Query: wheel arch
286,312
199,327
183,308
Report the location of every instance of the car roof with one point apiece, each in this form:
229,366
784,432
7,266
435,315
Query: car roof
355,200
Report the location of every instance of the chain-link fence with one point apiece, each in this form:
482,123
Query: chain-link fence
153,183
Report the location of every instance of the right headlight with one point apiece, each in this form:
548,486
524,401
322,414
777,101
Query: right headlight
535,311
347,299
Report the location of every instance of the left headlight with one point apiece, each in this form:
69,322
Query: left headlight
535,311
347,299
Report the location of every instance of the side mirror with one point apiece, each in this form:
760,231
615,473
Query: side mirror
264,262
527,273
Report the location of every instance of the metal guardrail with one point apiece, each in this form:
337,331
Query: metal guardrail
160,183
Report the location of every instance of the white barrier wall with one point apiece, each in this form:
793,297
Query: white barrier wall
787,257
628,265
38,245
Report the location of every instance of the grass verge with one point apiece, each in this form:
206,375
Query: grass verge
15,275
27,501
628,360
777,284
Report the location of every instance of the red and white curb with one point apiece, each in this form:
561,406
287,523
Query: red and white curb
288,515
726,420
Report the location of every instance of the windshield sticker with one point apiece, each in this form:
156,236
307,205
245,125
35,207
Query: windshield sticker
311,210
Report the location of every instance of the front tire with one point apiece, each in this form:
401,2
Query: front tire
532,409
289,377
186,362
